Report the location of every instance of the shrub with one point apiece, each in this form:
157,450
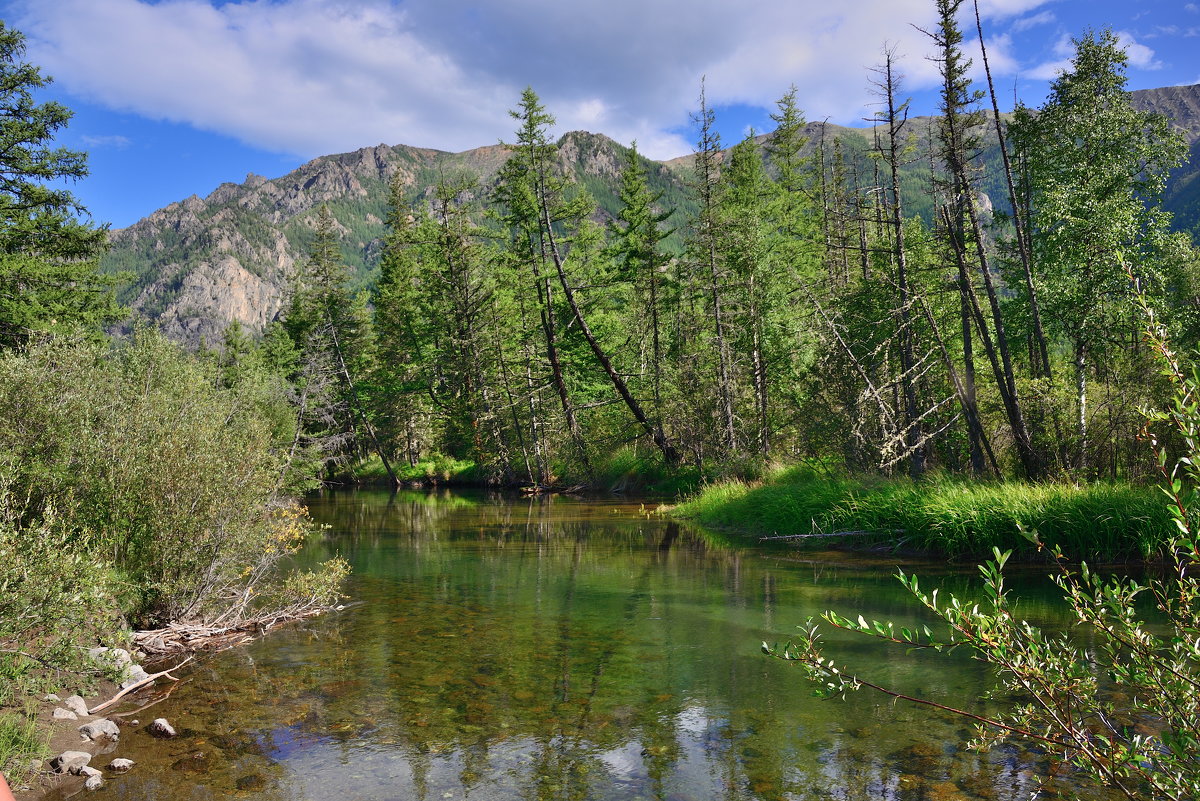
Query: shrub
157,463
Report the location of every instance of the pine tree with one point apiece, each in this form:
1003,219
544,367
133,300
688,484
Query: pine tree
48,269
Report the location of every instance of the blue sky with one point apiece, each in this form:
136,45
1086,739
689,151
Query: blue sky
173,97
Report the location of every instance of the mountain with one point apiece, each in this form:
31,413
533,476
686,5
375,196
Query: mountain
202,262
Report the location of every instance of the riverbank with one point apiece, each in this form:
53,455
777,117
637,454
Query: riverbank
947,516
622,472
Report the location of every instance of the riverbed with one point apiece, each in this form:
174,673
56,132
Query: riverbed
497,647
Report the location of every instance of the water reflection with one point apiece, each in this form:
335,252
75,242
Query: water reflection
554,649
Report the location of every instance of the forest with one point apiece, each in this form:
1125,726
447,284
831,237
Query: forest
800,313
792,311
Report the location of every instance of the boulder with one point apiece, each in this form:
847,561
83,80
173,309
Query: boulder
70,761
121,765
100,728
134,674
77,705
64,714
161,728
94,782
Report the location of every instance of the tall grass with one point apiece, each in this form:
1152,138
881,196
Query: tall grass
955,517
20,743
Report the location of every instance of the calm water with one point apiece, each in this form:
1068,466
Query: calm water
559,649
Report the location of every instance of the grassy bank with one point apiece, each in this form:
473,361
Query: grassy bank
950,516
621,471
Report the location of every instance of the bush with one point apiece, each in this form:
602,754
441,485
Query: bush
157,463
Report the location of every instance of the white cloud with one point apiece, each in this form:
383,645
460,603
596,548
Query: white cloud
1140,56
1192,7
114,140
317,76
1025,23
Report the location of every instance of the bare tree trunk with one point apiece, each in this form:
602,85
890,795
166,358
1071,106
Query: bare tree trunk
1018,219
337,349
670,455
913,436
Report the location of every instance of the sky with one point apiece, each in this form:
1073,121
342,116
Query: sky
174,97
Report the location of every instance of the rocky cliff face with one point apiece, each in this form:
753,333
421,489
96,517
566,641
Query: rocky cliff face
201,263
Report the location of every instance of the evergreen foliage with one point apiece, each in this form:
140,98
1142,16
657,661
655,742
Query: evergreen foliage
48,267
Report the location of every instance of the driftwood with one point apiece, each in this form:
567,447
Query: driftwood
828,534
208,637
131,688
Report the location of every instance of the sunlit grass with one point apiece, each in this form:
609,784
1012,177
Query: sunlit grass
21,741
952,516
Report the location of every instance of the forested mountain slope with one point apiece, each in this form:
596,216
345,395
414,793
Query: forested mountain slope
202,262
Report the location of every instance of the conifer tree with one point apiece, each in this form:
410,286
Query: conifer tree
48,268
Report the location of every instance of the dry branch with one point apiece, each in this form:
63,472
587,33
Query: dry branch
137,686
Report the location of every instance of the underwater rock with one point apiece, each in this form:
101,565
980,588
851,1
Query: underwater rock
193,763
121,765
251,782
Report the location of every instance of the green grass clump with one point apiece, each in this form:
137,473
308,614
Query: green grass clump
434,469
627,471
21,742
950,516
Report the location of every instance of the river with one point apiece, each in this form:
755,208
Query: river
498,648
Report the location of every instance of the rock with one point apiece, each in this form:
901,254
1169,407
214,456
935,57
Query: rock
251,782
94,782
134,674
64,714
51,697
100,728
88,770
121,765
77,705
198,762
161,728
70,761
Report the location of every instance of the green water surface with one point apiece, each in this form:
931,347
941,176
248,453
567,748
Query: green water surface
508,648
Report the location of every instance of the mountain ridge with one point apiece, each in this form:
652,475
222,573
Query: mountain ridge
200,263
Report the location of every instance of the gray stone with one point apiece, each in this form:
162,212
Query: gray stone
88,770
64,714
121,765
70,761
94,783
100,728
51,697
77,705
161,728
134,674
